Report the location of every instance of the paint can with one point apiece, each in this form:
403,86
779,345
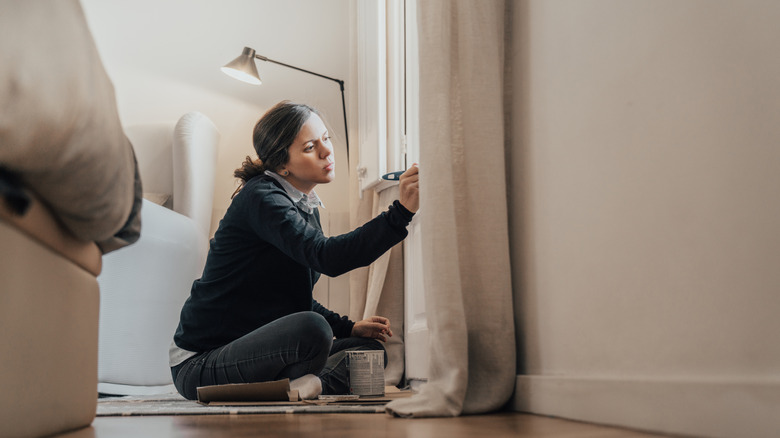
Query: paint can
366,372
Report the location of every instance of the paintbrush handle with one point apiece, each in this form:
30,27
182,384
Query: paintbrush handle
393,176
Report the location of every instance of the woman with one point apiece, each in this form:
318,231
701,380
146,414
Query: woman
251,316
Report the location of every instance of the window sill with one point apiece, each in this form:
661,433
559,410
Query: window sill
379,185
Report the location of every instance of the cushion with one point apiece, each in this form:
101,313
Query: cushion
59,126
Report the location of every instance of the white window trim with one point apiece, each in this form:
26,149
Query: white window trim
372,83
381,92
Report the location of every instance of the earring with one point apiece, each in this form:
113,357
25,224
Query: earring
285,173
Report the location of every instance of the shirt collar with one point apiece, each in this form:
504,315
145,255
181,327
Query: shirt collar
307,202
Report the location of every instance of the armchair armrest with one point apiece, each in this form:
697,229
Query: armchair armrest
195,140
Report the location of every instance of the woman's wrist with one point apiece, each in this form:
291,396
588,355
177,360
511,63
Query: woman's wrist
408,215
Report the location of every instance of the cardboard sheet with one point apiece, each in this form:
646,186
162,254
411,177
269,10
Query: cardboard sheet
275,392
278,393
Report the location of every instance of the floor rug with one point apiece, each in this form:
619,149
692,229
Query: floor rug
175,404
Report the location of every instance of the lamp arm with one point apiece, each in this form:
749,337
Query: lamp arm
339,81
263,58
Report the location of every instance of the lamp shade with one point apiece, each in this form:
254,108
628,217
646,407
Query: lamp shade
243,68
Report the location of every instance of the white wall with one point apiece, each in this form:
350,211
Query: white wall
645,171
164,57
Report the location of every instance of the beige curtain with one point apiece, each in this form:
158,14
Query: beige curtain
463,191
379,288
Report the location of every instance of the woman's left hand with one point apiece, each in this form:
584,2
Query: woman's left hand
375,327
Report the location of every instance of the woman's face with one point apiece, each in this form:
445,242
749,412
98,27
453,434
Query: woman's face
311,157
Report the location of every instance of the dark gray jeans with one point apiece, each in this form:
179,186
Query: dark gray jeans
290,347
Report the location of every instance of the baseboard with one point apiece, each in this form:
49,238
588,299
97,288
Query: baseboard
708,408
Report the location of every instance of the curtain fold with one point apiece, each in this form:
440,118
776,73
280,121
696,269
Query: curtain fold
467,276
379,288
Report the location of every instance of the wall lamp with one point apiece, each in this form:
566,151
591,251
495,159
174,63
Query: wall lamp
244,69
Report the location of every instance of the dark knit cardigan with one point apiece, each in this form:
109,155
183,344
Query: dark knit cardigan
264,260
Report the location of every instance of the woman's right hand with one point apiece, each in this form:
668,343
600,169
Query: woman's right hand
410,189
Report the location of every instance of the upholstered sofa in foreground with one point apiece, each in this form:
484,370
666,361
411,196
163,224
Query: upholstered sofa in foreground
48,325
69,192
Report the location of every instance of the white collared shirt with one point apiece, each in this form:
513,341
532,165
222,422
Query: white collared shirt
306,201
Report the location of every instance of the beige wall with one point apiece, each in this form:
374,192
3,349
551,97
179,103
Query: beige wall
645,172
164,59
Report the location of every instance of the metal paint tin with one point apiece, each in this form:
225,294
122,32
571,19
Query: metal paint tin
366,371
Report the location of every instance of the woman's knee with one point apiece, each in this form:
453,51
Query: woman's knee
313,326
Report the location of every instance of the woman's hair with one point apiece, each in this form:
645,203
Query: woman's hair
273,135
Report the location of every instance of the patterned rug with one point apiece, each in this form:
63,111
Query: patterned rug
175,404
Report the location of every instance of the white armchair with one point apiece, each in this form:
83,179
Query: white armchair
144,285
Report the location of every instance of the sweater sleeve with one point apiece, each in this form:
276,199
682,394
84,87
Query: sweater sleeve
341,325
278,221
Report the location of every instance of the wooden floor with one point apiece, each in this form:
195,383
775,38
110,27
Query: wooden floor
346,426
